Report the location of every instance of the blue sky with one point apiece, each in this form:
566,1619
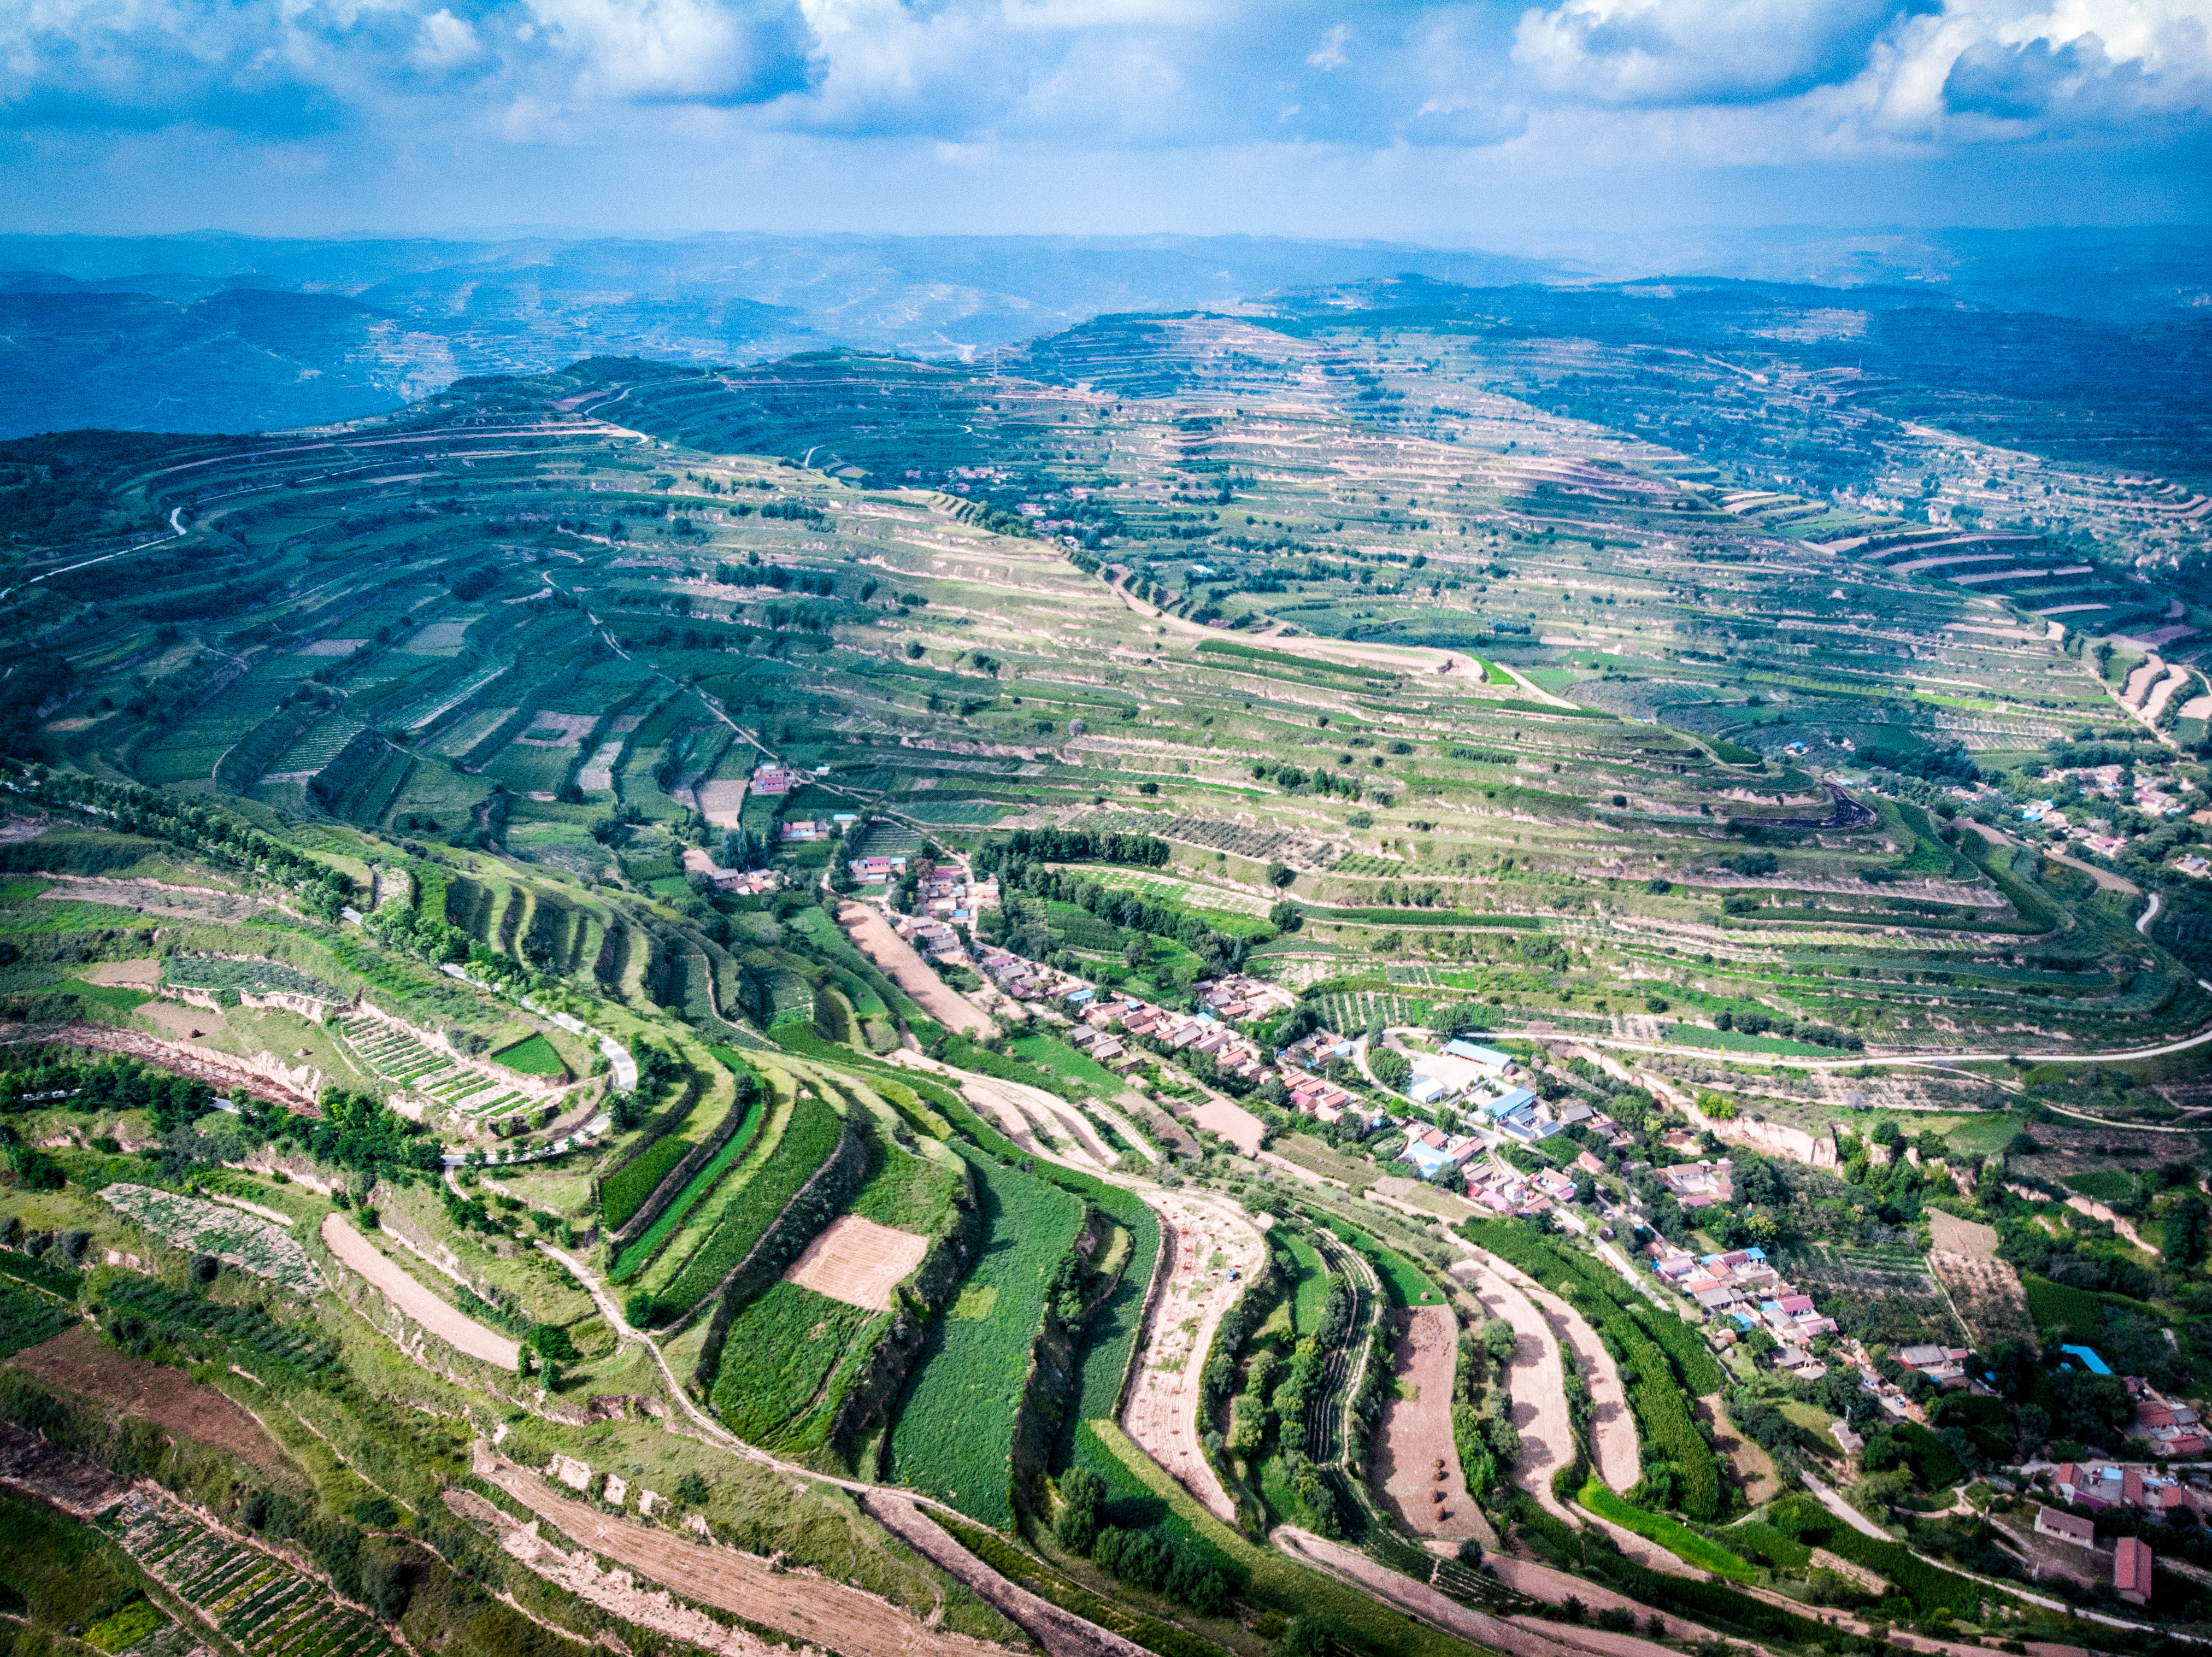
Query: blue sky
1500,123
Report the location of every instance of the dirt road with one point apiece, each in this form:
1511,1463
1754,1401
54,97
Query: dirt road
865,925
1519,1636
1201,1243
1534,1377
462,1334
1062,1634
1554,1586
823,1613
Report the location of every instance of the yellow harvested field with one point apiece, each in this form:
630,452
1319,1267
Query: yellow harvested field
858,1262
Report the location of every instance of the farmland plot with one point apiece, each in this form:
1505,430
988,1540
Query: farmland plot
808,1142
261,1604
77,1361
396,1055
202,1227
787,1354
220,972
954,1436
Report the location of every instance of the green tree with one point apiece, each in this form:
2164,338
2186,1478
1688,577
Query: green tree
1082,1499
1392,1067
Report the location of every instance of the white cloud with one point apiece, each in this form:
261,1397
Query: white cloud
1569,83
675,51
445,42
1683,52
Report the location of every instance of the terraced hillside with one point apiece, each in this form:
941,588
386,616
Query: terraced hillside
830,898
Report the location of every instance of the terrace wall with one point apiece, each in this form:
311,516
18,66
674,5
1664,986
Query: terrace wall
680,1176
809,1209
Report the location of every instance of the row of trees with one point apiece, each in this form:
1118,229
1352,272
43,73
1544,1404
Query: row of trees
209,831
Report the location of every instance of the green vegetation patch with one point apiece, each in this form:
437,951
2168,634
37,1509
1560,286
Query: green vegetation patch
808,1142
1677,1540
648,1242
954,1436
792,1340
2062,1310
28,1316
121,1630
533,1056
621,1192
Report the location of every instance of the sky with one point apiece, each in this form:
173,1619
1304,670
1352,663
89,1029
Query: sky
1499,123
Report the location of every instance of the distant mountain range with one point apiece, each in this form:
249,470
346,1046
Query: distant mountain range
233,333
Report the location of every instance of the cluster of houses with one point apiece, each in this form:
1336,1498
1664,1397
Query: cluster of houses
2167,1428
1700,1184
943,890
1240,996
1508,1191
2096,1485
2132,1558
1743,1287
774,779
745,882
797,829
1944,1365
932,937
1233,1054
1025,979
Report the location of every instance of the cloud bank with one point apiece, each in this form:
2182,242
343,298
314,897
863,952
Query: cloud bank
629,112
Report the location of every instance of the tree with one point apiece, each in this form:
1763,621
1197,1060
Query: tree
692,1490
1499,1340
1082,1497
1286,915
1392,1067
641,1309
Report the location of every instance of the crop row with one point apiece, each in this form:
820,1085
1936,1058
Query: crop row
641,1252
1662,1410
797,1346
261,1604
27,1317
186,1223
808,1142
1927,1586
1677,1540
399,1057
622,1191
1109,1338
220,973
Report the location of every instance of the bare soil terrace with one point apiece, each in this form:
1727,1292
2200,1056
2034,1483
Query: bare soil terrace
78,1361
1203,1244
418,1303
823,1614
1413,1453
